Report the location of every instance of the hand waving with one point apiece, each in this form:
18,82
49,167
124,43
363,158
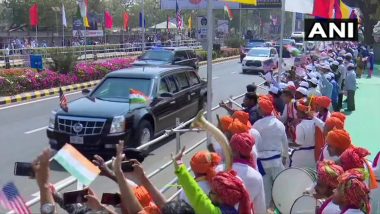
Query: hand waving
177,159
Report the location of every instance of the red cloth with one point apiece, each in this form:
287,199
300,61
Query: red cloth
323,101
334,122
353,158
328,173
126,20
243,144
354,190
324,8
266,106
319,143
231,190
339,115
33,15
225,122
108,20
204,162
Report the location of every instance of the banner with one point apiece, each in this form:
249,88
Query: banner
89,33
264,4
222,26
202,27
195,4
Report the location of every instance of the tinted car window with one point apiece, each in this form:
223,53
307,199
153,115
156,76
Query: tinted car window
182,80
193,78
160,55
191,54
163,87
180,55
171,84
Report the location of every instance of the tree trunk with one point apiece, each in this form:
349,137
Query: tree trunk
368,23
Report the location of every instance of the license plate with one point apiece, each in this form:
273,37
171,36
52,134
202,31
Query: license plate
76,140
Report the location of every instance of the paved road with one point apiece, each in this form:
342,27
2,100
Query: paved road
22,132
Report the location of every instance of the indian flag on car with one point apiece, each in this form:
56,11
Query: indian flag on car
76,164
137,97
228,10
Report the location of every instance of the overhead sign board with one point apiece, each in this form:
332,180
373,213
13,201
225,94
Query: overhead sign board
195,4
89,33
264,4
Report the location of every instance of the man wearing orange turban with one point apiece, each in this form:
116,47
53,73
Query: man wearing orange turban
323,104
203,165
243,117
338,140
303,154
328,173
244,165
272,149
225,122
339,115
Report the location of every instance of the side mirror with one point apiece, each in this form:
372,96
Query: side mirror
85,91
166,94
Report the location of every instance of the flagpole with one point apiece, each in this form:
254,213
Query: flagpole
281,39
143,25
209,63
63,35
85,40
36,36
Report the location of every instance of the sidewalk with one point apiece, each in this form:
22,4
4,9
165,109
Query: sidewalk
364,123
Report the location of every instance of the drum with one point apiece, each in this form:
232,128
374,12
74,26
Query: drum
305,205
289,185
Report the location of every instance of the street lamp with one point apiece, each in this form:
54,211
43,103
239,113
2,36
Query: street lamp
56,11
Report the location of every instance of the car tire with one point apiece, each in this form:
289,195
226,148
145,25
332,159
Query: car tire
244,71
144,133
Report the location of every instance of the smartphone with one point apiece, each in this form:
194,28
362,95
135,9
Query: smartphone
75,197
111,198
23,169
127,166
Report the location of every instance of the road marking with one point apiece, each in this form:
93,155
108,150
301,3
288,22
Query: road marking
77,92
39,100
35,130
214,78
234,72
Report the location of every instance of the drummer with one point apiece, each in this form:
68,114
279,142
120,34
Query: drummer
337,141
289,115
303,154
328,173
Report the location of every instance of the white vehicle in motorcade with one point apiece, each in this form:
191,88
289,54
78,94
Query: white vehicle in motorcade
260,59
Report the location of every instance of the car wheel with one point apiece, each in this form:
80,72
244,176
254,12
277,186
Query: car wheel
144,133
244,71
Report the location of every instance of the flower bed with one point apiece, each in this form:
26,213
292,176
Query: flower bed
15,81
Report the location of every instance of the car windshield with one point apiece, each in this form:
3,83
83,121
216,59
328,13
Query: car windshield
159,55
287,41
255,44
259,53
117,89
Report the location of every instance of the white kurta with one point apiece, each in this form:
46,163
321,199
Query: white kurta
375,193
326,156
353,211
313,92
331,208
204,186
305,137
253,182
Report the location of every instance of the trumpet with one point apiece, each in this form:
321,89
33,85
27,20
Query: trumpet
201,123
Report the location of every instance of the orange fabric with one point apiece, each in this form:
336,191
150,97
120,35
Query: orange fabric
225,122
328,173
339,138
372,177
237,127
334,122
339,115
146,201
266,106
243,117
319,143
323,101
204,162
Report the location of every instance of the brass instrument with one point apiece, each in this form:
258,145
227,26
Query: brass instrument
201,123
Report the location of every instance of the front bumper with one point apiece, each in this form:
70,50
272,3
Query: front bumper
252,68
103,144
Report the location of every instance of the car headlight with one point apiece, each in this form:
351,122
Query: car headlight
243,62
52,120
118,124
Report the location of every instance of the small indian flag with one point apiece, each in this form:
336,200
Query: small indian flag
136,96
76,164
228,10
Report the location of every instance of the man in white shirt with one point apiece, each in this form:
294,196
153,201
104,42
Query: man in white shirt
273,148
303,154
313,90
241,145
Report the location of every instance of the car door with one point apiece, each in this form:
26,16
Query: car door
166,106
181,58
183,97
274,56
195,92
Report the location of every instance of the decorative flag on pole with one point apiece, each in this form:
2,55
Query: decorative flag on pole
250,2
141,20
228,10
137,97
11,199
178,16
64,21
82,9
126,20
63,101
190,22
168,23
76,164
299,6
86,23
33,15
323,8
108,20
